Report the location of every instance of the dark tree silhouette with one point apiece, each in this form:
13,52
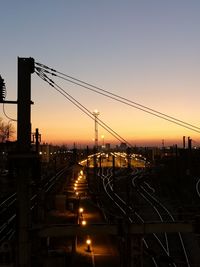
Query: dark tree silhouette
6,131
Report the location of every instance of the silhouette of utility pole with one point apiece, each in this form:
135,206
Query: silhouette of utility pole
24,160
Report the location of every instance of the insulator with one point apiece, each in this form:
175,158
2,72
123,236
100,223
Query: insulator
2,89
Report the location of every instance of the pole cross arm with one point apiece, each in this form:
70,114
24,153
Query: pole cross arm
8,101
12,102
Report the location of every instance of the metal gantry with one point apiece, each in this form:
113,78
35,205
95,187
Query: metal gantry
96,114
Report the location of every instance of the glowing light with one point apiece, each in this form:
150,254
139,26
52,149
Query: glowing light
80,210
83,222
96,112
88,241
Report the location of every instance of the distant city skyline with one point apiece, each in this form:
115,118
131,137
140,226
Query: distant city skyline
145,51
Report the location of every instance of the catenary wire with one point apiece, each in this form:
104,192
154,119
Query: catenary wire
121,99
149,112
81,107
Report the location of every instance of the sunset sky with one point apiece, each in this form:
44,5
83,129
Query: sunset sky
147,51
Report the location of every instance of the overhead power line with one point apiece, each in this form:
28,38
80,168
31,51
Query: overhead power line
44,77
118,98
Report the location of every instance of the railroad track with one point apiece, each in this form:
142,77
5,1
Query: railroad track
8,207
171,248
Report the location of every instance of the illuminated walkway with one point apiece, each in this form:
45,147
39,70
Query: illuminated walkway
102,251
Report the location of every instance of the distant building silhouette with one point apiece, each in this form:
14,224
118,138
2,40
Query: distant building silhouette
123,146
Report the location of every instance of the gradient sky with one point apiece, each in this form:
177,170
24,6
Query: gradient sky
145,50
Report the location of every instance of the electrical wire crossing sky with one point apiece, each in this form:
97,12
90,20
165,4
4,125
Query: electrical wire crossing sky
137,62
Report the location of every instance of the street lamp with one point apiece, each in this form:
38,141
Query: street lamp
88,242
80,210
83,222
